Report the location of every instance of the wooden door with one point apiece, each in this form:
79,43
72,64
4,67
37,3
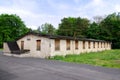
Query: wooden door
38,47
22,45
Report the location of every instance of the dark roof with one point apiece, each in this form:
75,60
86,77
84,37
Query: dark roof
33,33
58,37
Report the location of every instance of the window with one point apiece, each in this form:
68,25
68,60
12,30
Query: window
101,44
98,44
76,44
93,44
38,47
68,44
28,39
22,45
83,44
57,44
89,44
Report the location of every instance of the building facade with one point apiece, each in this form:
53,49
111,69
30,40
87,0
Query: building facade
45,46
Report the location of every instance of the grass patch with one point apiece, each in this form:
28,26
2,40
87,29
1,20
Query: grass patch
1,49
108,58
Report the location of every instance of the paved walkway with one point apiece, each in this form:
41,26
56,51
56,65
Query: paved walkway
12,68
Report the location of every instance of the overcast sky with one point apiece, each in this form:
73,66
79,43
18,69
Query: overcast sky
37,12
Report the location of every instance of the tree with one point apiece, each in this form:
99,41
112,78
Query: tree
66,27
47,29
82,25
11,27
106,29
93,31
110,29
38,30
98,19
73,26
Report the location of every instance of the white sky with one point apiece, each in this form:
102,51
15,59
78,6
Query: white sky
37,12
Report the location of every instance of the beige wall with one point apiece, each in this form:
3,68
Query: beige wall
62,50
6,48
31,45
80,49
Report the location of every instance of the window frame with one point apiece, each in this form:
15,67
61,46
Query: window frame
89,44
94,44
38,45
98,44
22,45
57,44
83,44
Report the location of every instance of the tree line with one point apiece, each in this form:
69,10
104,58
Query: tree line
103,28
11,27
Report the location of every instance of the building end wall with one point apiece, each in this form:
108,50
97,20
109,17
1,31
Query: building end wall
6,48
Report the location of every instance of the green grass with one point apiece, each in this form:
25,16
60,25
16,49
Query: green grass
108,58
1,49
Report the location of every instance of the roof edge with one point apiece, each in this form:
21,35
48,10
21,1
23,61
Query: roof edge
59,37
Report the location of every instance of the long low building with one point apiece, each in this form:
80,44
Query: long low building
44,46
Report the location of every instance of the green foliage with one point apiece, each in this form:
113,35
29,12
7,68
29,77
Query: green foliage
11,27
73,27
109,58
108,29
93,31
46,29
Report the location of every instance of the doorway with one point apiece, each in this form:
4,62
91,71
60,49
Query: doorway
22,45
